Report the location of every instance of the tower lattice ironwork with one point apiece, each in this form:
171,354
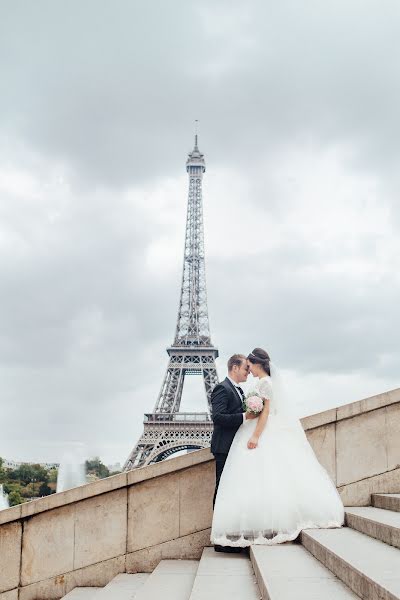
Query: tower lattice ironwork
166,429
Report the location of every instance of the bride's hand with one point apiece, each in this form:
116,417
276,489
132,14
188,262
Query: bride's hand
253,442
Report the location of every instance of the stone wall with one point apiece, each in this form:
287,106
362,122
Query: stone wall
129,522
125,523
359,445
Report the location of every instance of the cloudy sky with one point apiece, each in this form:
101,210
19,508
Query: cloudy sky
299,123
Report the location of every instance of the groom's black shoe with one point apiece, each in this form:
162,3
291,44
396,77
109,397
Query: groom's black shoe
229,549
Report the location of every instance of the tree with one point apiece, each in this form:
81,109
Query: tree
44,490
15,498
40,473
3,475
94,465
11,487
26,481
53,474
29,474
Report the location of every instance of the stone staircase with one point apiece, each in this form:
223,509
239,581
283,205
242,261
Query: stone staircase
361,560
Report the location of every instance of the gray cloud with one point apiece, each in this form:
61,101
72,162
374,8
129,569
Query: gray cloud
111,90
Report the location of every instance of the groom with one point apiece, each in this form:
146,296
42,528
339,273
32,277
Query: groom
228,415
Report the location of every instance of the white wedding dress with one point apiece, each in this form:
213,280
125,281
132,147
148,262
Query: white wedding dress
269,494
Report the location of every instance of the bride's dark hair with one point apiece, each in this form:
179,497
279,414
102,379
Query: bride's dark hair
260,357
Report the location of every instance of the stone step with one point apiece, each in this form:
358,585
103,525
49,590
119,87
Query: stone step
81,593
378,523
388,501
123,587
170,580
367,566
223,576
288,571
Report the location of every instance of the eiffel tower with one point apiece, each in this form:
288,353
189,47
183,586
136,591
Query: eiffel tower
166,429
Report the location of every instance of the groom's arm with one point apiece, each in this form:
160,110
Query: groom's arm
220,414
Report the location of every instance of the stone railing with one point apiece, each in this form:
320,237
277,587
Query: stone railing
129,522
359,445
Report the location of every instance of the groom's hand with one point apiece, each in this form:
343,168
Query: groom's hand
250,415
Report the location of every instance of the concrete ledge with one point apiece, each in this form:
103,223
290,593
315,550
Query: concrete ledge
359,493
10,514
75,495
170,466
322,418
104,485
351,410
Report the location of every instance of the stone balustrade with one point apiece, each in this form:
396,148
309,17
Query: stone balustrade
359,445
129,522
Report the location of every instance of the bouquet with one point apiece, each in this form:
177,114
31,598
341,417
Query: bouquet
253,403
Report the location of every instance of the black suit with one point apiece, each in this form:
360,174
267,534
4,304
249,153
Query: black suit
227,415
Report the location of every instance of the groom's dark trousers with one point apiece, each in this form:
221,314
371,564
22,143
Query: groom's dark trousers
227,415
220,460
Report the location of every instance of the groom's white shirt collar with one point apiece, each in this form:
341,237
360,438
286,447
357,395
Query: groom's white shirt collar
233,383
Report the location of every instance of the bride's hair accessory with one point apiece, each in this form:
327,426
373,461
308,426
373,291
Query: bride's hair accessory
260,357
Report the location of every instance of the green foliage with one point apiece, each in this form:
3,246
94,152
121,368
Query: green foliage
94,465
33,481
2,471
30,490
29,474
53,474
11,487
44,490
25,482
15,498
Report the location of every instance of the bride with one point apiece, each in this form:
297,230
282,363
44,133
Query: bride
272,485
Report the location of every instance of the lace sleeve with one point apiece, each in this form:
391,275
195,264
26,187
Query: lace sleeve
265,388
